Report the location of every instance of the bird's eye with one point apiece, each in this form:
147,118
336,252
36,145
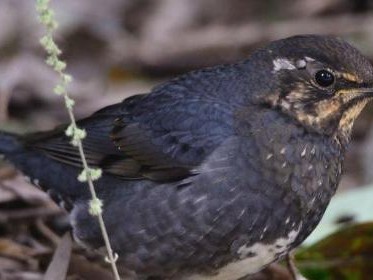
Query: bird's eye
324,78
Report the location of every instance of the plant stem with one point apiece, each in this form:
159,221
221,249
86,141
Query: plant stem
46,16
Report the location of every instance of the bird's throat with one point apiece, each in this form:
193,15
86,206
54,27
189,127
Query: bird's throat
348,118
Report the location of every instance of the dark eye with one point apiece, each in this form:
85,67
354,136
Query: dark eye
324,78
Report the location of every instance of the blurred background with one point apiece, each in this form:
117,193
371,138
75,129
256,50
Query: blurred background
116,48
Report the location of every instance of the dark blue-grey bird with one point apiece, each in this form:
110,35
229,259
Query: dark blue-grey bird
217,173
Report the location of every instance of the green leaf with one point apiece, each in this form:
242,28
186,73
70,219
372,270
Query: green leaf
346,254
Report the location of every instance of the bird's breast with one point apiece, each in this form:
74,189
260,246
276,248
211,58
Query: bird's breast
306,167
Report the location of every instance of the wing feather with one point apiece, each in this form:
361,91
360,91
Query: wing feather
143,138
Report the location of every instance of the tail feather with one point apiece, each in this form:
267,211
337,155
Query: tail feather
9,143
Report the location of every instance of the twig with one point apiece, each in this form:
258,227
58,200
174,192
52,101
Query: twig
47,232
295,274
46,16
57,269
39,212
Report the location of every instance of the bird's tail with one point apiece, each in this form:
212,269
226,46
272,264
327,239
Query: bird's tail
9,143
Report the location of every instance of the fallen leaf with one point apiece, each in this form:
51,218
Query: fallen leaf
59,265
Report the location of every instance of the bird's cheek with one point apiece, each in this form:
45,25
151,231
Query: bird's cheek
322,114
328,108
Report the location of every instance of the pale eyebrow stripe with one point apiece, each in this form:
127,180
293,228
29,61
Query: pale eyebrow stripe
350,77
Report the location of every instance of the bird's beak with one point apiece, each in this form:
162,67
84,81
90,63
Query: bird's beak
356,94
365,92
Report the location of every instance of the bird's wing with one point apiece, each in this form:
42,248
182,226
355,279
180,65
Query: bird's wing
161,139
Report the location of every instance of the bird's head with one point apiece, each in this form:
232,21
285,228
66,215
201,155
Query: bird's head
321,81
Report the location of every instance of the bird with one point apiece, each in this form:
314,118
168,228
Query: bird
214,174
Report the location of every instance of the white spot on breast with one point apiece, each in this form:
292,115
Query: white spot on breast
303,152
282,64
200,199
310,204
242,213
269,156
252,259
313,151
268,251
